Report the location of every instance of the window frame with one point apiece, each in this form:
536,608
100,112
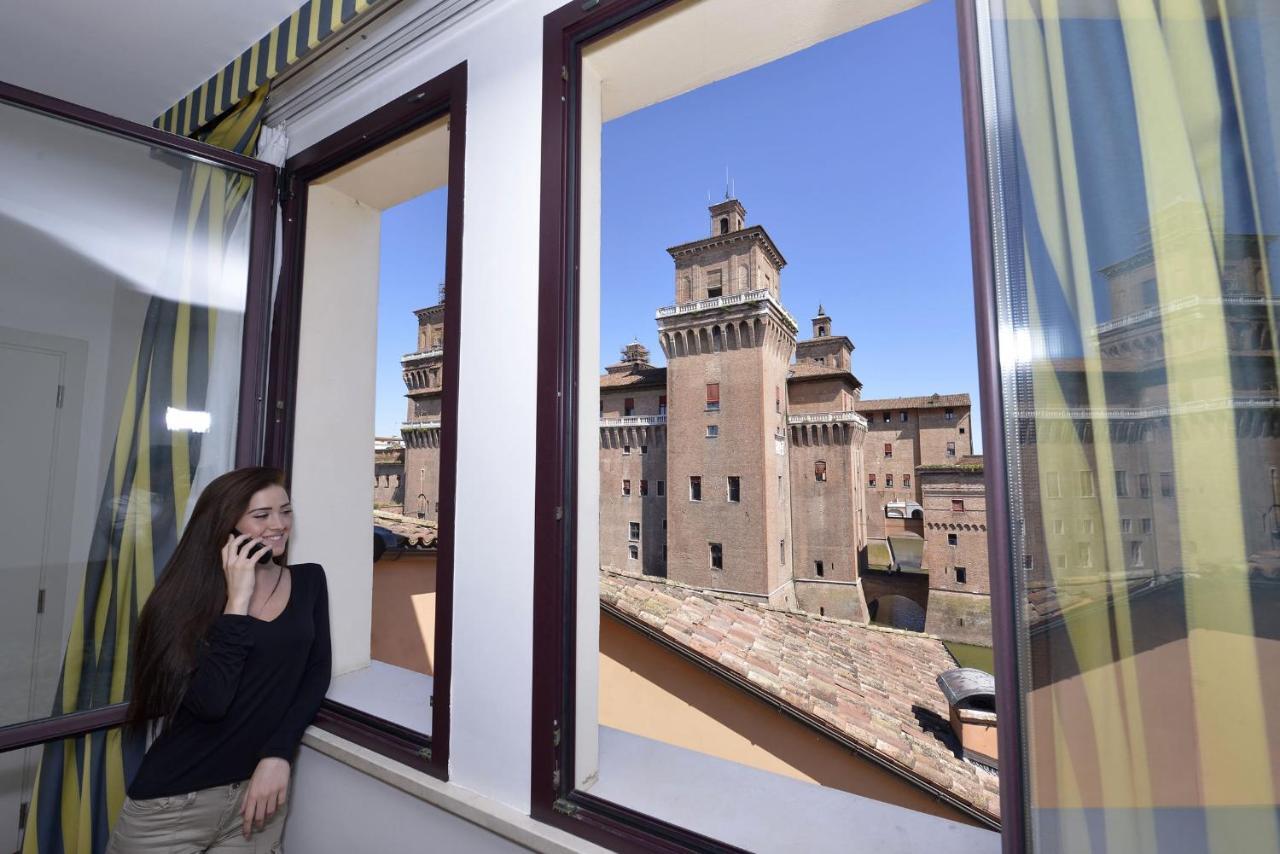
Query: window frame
443,96
554,799
251,413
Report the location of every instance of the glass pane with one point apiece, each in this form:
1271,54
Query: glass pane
1143,212
123,271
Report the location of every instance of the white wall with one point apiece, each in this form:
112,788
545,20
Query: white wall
335,809
332,489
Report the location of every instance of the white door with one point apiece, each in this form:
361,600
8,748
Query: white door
37,374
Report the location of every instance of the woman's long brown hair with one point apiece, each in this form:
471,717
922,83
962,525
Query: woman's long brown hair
191,593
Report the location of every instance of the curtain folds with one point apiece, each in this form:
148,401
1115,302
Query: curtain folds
1148,424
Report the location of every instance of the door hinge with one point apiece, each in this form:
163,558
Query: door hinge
62,391
40,601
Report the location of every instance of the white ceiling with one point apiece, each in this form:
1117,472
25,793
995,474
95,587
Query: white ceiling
130,58
414,164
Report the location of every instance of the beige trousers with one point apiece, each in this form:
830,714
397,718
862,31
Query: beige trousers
195,823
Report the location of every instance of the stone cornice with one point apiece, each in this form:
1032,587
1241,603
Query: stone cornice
754,233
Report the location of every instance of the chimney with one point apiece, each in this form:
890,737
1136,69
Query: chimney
971,694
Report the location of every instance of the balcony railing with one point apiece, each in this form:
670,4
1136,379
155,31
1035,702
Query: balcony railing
420,425
433,353
1180,305
828,418
764,294
634,421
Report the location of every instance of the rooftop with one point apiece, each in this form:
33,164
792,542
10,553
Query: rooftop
417,533
802,371
932,401
637,377
872,688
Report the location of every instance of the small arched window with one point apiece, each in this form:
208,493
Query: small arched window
822,331
724,225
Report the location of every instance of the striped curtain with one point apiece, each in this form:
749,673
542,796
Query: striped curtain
1144,203
80,784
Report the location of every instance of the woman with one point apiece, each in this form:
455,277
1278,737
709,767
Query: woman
232,656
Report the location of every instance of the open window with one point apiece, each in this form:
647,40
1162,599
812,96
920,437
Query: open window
133,357
775,544
371,292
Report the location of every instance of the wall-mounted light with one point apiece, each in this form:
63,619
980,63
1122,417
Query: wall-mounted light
184,419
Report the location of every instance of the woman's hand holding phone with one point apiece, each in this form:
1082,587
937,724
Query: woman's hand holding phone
240,558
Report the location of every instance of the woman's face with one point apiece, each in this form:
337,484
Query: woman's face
269,518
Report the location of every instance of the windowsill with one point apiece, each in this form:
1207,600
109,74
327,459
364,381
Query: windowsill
757,810
392,693
483,812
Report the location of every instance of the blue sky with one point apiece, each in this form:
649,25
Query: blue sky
851,155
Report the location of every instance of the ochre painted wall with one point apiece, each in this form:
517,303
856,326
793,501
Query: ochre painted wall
651,691
404,612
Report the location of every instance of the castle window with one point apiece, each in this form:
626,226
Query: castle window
961,431
957,505
1146,526
713,397
626,487
871,480
1122,483
735,489
712,431
820,471
782,551
633,530
949,414
644,487
817,568
717,556
1086,484
1144,484
888,450
822,331
1135,553
695,488
953,539
644,449
633,551
662,489
962,575
888,416
724,225
715,283
629,406
888,481
1126,526
626,450
904,416
951,449
777,398
662,405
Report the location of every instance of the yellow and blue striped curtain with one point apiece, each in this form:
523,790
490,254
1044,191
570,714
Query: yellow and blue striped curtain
1144,201
80,783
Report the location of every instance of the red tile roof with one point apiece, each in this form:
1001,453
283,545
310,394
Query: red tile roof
874,688
418,533
640,377
928,402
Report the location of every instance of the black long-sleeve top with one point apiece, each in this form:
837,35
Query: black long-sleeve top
255,689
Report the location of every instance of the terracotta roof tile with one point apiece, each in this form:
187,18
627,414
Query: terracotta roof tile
417,533
638,377
926,402
875,686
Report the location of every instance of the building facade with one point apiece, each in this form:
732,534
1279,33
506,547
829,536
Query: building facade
749,465
423,372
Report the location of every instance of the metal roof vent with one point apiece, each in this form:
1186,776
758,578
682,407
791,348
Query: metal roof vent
971,694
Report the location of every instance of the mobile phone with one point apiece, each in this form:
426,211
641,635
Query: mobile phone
266,555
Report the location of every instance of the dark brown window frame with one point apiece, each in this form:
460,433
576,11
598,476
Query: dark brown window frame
251,412
553,797
444,96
